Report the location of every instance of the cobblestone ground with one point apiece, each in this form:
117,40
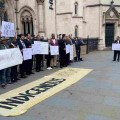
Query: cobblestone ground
95,97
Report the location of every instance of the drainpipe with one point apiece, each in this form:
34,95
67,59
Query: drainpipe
16,11
56,17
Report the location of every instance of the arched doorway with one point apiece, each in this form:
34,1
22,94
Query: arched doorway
27,22
112,23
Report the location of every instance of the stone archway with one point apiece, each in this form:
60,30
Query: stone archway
111,23
26,20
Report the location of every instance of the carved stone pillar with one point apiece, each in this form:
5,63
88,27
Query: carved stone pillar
41,17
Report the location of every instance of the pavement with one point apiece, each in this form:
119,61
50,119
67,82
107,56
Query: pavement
94,97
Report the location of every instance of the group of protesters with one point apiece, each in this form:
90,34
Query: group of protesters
10,75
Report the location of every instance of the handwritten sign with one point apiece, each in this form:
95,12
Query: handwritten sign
27,53
67,49
44,46
116,46
36,49
7,29
10,57
40,48
71,52
54,50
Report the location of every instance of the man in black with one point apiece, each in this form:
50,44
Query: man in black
116,52
62,51
39,58
21,45
29,63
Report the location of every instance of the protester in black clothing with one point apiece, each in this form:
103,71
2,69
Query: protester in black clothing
21,45
39,58
78,43
68,42
14,72
29,63
62,51
77,46
116,52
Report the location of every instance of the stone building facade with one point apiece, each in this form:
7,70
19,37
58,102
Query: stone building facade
30,16
85,18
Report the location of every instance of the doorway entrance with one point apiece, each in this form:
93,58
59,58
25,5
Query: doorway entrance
109,34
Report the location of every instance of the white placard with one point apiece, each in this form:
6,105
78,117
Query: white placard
44,46
36,42
67,49
7,29
116,46
74,51
54,50
71,52
36,49
10,57
40,48
27,53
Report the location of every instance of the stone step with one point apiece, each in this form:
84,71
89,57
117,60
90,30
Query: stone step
107,49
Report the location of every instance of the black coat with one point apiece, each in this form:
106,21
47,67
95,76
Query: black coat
28,43
62,46
19,44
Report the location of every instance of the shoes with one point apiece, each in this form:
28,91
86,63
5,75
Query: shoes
49,68
23,76
37,70
9,82
32,73
14,81
41,70
3,86
81,59
27,73
114,60
18,79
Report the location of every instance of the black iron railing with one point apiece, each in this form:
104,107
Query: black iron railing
92,44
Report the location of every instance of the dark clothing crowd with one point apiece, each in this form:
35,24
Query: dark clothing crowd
15,73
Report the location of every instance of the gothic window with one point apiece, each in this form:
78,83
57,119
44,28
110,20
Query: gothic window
76,8
76,31
27,22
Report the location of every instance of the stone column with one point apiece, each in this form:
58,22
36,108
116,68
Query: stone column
41,17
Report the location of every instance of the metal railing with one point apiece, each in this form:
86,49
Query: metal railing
92,44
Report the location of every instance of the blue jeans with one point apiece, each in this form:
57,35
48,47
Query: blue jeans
5,76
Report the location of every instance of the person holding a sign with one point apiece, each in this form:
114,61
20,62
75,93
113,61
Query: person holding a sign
39,57
29,63
14,72
5,73
68,43
53,42
116,52
21,45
